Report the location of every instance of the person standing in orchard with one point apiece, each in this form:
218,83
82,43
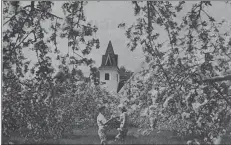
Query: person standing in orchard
102,123
123,129
101,120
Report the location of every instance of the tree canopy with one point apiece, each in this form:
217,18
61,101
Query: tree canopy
188,79
186,86
39,100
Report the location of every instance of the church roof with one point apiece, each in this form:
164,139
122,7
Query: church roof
109,59
135,74
110,48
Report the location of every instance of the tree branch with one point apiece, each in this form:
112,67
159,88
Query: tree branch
35,9
16,14
167,27
218,78
149,38
49,14
24,39
77,54
221,94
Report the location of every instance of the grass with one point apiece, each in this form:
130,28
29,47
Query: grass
90,136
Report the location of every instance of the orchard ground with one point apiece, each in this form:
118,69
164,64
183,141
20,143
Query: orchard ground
90,136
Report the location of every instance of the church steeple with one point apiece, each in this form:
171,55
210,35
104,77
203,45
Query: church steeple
109,49
110,58
109,71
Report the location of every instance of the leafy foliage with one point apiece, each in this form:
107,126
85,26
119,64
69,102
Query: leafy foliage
197,48
40,101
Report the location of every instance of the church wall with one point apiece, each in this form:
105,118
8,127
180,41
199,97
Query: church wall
112,83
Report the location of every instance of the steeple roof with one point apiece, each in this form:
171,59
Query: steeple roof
109,49
110,59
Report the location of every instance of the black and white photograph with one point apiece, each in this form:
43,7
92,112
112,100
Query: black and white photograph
116,72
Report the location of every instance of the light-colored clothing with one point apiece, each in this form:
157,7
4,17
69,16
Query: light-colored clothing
101,120
123,120
123,126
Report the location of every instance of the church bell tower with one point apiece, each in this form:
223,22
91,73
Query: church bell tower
109,71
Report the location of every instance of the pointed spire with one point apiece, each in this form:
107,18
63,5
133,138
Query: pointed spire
109,58
109,48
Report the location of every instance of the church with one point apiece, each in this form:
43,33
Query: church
109,72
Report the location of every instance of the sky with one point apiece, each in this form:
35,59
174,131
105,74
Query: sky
106,15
